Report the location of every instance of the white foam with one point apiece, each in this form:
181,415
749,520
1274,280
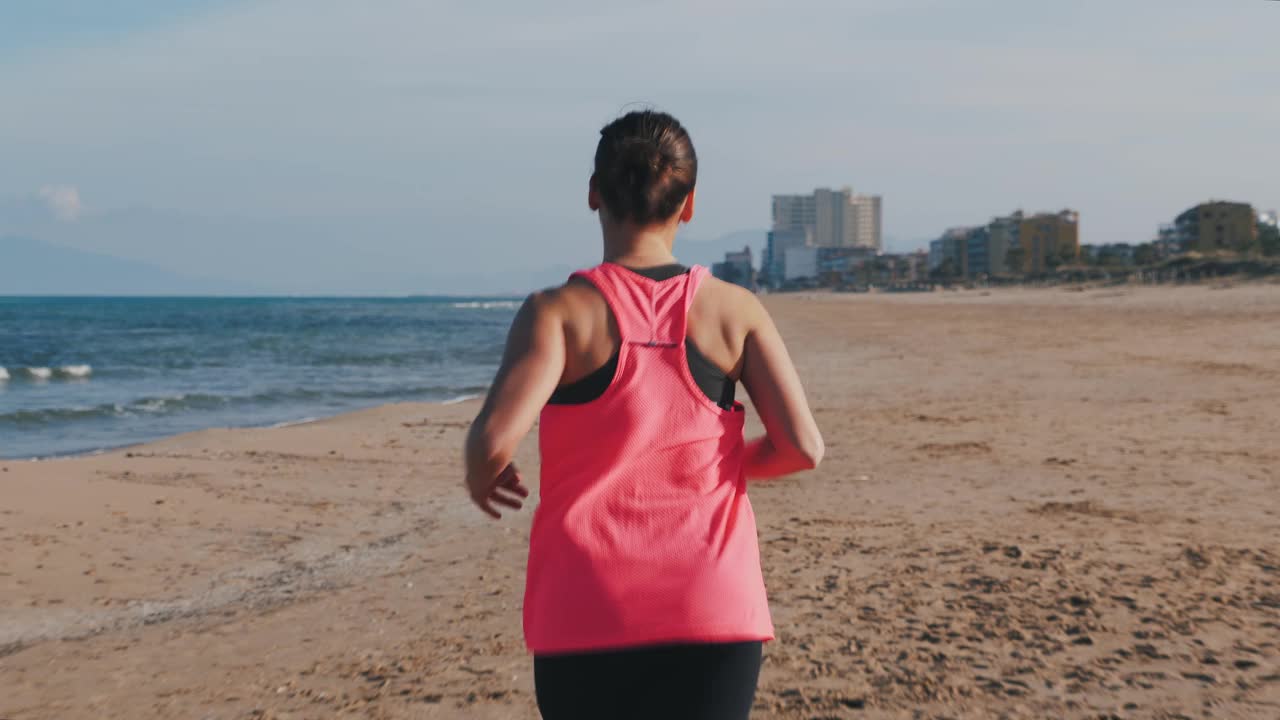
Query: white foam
40,373
459,399
488,305
293,423
153,406
4,374
76,371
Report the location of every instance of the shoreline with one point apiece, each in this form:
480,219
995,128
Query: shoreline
1123,297
466,397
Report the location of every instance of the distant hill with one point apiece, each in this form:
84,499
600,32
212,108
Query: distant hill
36,267
513,283
706,252
31,267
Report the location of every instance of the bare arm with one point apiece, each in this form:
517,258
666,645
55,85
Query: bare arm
532,366
792,441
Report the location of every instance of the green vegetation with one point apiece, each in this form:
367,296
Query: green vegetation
1145,254
1269,240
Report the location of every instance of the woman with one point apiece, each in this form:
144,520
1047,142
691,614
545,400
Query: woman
644,596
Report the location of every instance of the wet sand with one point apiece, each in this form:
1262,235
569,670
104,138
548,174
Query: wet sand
1036,503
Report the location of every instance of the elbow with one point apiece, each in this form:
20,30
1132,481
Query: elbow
810,450
814,452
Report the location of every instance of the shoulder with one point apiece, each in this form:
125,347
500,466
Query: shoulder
539,310
731,299
557,297
559,304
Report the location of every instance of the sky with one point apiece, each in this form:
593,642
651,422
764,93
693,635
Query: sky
385,146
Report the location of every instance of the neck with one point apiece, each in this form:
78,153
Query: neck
641,247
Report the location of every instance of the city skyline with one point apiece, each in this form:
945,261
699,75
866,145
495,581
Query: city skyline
376,149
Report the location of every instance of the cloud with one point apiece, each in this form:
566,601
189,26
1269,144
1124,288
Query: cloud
63,200
410,110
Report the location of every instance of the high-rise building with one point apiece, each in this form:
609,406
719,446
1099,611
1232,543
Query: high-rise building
977,252
830,215
1005,235
1047,240
833,218
866,222
794,212
1217,225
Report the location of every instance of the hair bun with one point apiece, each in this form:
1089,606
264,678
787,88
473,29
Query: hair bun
645,166
634,153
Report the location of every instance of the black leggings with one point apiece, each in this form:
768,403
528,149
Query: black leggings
712,681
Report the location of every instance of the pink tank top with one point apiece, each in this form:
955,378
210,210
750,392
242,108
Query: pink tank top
643,533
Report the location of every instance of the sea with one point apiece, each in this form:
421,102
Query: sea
80,374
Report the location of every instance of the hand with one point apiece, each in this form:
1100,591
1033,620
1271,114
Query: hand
507,489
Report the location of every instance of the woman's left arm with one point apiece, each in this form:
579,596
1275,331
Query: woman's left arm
532,366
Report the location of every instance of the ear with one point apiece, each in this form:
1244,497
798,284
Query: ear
686,213
593,195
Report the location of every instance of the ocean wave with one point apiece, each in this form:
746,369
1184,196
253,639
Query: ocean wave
386,394
144,406
416,358
75,371
487,305
182,403
49,416
195,401
43,374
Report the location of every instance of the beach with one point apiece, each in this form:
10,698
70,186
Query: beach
1036,503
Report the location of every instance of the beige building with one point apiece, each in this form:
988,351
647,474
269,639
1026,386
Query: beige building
1218,225
832,222
1009,245
866,222
1048,240
831,218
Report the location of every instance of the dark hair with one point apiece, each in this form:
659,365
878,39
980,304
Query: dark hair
645,166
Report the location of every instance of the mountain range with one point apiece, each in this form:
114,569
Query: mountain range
31,267
34,267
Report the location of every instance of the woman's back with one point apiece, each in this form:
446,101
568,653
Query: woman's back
643,532
728,331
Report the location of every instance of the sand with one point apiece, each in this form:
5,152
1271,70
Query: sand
1036,503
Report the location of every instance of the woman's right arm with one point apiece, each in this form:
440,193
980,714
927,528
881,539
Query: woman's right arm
792,441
